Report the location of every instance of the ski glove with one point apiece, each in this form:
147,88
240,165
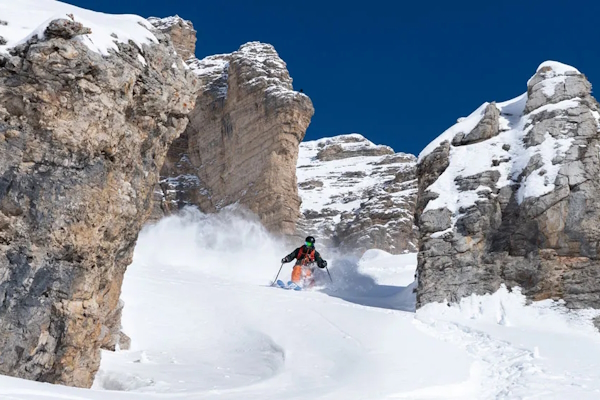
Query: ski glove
284,260
322,264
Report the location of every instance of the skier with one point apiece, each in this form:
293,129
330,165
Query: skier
305,256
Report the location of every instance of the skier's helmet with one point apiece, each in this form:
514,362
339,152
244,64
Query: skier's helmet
310,241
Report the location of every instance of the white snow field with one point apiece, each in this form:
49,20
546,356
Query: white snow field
205,324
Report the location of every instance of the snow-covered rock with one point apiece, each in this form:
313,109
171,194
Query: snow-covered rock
509,195
22,20
357,195
181,33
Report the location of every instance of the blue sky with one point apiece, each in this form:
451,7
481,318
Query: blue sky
398,72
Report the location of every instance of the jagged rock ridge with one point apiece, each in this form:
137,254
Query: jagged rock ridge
509,196
357,195
242,142
86,118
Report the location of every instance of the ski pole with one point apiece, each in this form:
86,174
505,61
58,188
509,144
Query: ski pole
277,276
327,269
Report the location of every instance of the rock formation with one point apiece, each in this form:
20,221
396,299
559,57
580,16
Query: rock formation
357,195
241,145
180,32
509,196
84,131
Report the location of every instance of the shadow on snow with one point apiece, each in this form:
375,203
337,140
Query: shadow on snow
351,285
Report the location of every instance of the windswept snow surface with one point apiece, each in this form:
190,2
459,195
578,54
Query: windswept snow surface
464,125
22,19
205,324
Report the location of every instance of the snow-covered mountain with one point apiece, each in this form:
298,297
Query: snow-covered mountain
509,195
89,105
357,195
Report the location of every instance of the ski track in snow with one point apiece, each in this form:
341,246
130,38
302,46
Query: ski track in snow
500,371
205,324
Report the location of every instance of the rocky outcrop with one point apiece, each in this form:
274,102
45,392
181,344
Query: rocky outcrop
509,196
180,32
82,139
357,195
242,142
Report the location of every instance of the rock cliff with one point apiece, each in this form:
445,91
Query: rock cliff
241,145
180,32
357,195
87,112
509,196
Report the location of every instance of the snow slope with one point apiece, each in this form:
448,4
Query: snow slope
205,324
22,19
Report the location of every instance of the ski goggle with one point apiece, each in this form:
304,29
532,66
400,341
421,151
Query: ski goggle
309,244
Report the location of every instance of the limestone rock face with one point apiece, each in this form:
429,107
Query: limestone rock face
180,32
357,195
509,196
82,140
241,145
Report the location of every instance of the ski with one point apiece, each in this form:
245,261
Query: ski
281,284
289,286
